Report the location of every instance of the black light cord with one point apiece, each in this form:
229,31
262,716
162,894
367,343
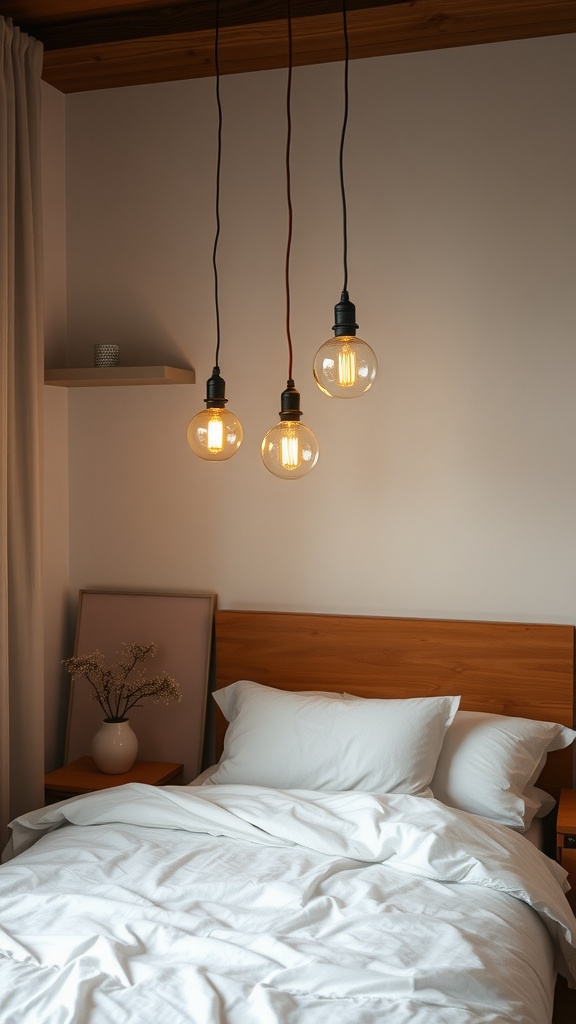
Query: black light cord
218,164
342,141
288,190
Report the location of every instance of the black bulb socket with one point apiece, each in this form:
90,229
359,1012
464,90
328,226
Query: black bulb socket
345,317
215,390
290,402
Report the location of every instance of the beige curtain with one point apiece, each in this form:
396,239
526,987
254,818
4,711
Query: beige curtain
21,376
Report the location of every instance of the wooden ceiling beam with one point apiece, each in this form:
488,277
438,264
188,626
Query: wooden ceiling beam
375,29
98,21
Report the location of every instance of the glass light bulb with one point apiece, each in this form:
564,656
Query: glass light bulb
345,367
290,450
215,434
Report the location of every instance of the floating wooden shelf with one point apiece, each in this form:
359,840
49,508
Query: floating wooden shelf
117,376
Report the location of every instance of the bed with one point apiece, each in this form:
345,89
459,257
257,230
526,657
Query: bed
365,846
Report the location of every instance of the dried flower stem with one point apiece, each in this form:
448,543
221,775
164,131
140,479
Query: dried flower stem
116,693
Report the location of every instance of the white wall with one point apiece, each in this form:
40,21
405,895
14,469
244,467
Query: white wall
449,489
56,547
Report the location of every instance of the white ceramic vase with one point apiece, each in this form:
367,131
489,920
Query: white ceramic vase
114,747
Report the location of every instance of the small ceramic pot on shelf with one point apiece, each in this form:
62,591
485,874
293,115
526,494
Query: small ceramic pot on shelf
114,747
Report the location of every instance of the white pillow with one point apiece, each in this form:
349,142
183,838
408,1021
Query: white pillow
489,763
290,740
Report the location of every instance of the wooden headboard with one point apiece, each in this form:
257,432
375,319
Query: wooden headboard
520,669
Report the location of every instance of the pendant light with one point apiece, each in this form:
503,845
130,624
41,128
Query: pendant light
290,449
345,366
215,434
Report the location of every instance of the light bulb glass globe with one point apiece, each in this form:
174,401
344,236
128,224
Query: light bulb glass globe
290,450
345,367
215,434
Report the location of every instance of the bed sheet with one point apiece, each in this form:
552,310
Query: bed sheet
241,905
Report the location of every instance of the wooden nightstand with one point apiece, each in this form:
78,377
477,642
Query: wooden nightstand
566,838
82,776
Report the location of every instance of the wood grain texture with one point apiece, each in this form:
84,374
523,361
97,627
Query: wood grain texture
517,669
82,776
97,45
117,376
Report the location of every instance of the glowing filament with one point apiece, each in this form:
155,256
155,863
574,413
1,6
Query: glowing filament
290,450
347,366
215,441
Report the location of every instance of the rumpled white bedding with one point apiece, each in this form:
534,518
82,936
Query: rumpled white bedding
245,905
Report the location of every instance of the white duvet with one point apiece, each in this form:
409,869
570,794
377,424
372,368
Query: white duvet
244,905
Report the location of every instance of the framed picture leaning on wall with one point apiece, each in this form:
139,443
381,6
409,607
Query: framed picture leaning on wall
181,625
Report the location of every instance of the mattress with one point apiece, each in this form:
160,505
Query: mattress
245,905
